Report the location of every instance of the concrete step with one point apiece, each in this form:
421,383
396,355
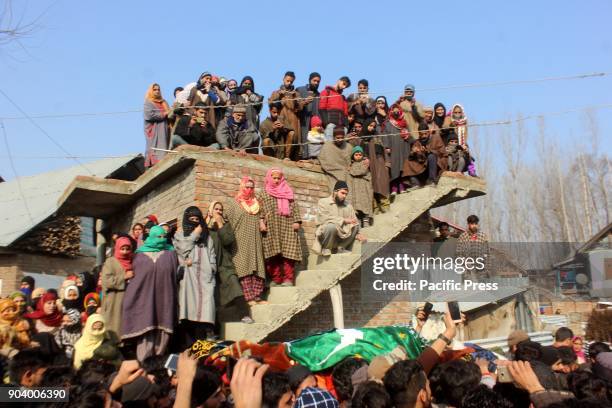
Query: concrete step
316,278
236,331
281,295
322,272
333,261
266,313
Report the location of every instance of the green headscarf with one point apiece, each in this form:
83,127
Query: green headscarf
156,241
355,150
16,294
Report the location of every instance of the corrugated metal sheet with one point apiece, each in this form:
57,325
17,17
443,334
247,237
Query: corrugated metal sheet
41,194
468,302
544,338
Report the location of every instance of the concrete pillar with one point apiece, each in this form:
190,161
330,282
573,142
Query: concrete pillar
100,243
338,309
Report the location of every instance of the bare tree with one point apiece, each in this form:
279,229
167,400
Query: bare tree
17,25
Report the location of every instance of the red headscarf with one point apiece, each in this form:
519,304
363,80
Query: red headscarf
282,192
246,197
397,121
124,260
52,320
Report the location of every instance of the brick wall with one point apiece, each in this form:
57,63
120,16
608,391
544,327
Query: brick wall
219,180
12,267
167,201
217,177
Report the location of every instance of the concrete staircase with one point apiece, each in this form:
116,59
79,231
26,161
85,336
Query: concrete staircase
323,273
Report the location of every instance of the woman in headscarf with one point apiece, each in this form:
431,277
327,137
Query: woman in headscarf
196,294
231,90
382,112
252,100
46,317
150,297
441,121
208,92
245,216
70,298
577,345
281,243
156,111
21,302
8,312
379,165
91,303
92,338
232,306
70,331
458,121
137,233
116,273
397,145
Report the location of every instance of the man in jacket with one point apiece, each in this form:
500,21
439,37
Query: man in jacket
236,133
310,108
333,107
360,103
337,224
195,130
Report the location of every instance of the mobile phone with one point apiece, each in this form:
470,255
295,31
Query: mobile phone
453,308
503,375
172,362
427,309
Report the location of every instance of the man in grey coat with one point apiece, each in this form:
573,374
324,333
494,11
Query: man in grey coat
311,94
236,133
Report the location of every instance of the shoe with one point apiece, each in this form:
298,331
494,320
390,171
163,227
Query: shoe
365,222
247,320
371,220
287,283
326,252
274,284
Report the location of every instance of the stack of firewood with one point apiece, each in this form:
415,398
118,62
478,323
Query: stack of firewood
57,236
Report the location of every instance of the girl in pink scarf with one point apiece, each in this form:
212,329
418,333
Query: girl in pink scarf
279,190
281,243
578,349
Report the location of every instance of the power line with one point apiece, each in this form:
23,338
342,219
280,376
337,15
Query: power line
33,122
447,87
471,125
19,187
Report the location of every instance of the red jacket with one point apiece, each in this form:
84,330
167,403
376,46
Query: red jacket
333,100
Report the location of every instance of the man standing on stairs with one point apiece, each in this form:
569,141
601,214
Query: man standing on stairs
337,224
335,158
474,243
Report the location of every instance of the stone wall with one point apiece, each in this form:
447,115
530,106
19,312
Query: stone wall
12,267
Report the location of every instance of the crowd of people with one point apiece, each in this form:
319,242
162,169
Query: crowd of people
383,149
70,343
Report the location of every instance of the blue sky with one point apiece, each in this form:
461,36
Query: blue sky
101,56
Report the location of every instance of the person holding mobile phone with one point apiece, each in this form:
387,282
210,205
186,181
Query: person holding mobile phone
310,108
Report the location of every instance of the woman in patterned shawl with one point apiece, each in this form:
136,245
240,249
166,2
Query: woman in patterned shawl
281,242
245,216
